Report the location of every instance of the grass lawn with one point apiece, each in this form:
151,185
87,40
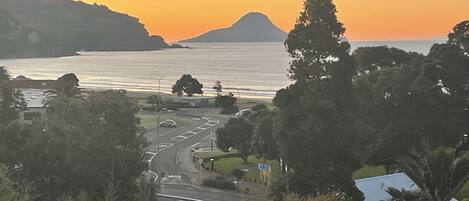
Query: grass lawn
226,165
463,193
244,103
369,171
206,153
147,120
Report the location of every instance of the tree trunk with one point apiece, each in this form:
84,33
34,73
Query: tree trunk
245,159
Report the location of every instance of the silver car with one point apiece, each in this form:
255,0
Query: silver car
169,123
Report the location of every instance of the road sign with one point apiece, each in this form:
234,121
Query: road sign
163,174
263,167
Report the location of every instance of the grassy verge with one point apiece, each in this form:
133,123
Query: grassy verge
244,103
369,171
226,165
147,120
463,193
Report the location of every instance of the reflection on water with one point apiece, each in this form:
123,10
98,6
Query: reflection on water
252,69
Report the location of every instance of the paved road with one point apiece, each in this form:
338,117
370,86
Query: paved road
180,140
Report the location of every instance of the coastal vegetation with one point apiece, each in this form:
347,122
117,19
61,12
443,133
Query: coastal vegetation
68,27
88,148
365,112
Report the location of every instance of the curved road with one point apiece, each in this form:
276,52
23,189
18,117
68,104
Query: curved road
173,142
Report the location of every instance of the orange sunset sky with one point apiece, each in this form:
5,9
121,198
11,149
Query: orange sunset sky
364,19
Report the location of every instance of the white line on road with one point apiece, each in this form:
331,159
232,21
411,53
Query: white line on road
178,197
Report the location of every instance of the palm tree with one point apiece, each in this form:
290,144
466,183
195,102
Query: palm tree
439,173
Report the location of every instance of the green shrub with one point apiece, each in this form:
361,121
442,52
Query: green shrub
219,182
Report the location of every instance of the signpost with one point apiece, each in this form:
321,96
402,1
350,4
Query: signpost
264,172
200,161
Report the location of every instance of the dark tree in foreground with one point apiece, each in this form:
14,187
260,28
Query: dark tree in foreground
317,131
11,101
423,98
227,103
440,173
9,190
236,134
263,140
460,36
88,147
187,84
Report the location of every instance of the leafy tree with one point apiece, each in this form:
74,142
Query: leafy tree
88,145
146,190
404,195
426,98
369,59
460,36
440,174
237,134
67,85
326,197
11,100
316,113
227,103
9,189
263,140
187,84
218,87
155,100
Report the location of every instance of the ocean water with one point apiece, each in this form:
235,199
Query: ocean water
255,70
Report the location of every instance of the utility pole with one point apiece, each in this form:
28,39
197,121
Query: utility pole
158,116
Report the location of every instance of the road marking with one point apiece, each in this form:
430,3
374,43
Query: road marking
163,146
179,138
178,197
188,134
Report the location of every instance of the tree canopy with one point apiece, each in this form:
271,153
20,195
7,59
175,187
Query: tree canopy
87,146
11,101
316,114
9,189
188,85
236,134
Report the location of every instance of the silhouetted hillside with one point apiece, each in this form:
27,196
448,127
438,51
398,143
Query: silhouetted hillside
82,26
253,27
17,41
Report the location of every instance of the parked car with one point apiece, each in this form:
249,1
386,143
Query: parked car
244,113
169,123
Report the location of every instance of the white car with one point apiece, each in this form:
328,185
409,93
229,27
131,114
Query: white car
244,113
169,123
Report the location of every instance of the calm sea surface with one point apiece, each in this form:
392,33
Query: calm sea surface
252,69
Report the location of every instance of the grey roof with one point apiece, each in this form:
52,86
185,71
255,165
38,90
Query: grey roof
35,98
374,188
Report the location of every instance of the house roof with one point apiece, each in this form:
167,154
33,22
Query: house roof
374,188
33,84
35,98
